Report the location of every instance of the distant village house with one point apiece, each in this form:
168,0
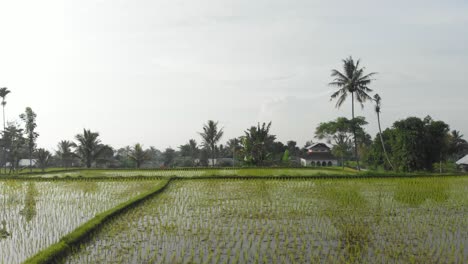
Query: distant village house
463,164
319,155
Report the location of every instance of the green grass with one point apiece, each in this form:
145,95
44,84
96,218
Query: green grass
193,173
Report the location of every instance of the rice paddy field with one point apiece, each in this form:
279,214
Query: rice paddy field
36,214
194,173
409,220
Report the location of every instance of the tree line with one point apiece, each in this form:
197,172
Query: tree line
411,144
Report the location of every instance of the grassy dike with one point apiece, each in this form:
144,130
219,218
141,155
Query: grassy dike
50,254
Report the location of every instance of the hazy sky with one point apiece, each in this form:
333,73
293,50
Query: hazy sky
155,71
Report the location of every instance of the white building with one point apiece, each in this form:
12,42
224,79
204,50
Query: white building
24,163
319,155
463,163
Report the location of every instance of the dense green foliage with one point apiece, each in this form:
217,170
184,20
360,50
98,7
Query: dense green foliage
255,144
414,144
13,144
340,133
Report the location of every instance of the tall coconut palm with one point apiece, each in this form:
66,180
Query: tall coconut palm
234,145
3,93
65,152
378,105
43,158
457,146
211,136
89,147
193,149
138,155
352,81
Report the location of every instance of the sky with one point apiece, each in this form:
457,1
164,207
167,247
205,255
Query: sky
153,72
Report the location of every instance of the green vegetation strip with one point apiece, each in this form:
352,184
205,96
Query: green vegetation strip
60,248
204,173
86,179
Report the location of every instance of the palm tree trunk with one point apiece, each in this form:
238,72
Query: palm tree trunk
212,155
382,141
440,162
4,126
354,133
4,159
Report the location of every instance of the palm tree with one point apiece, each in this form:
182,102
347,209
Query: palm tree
138,155
234,145
256,142
43,158
378,106
352,81
64,152
211,135
89,147
3,93
193,148
457,146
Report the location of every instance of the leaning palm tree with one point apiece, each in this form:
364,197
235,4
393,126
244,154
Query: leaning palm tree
138,155
210,136
3,93
65,152
378,105
89,147
352,81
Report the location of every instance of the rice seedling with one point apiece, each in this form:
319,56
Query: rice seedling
197,172
36,214
290,221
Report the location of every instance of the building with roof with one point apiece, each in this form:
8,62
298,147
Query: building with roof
319,155
463,163
24,163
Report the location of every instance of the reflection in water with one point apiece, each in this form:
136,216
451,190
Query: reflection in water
415,192
29,210
3,231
